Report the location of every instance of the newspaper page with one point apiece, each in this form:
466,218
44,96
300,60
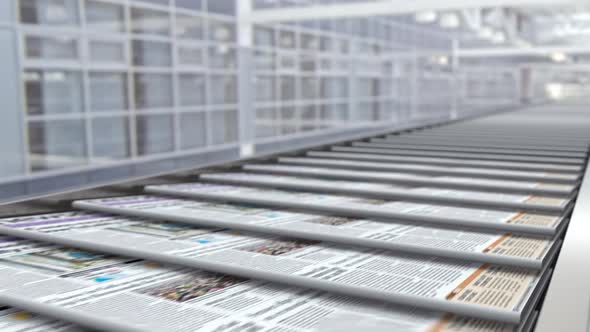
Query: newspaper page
14,320
413,168
490,156
368,208
153,297
555,204
412,178
475,289
488,247
446,161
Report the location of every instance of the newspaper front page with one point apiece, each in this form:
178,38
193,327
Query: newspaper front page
415,179
475,289
431,169
546,167
488,247
14,320
491,199
528,223
147,296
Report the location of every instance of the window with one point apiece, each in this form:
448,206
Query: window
151,53
189,27
223,89
265,88
54,48
108,91
51,92
225,127
191,55
154,134
193,130
56,144
104,17
222,57
153,90
49,12
107,51
110,138
147,21
192,89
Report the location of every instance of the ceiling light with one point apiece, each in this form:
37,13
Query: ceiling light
558,57
443,60
485,33
499,37
450,21
425,17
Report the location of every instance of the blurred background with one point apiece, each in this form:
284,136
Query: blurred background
98,91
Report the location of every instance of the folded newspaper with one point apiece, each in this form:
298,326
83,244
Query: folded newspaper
514,221
395,192
464,155
14,320
472,289
434,169
528,187
488,247
525,166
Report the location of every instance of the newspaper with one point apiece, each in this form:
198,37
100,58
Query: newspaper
14,320
379,142
432,169
474,289
487,156
546,167
528,223
146,296
488,247
415,179
380,190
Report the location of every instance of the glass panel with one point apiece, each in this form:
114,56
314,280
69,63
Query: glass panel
221,31
191,55
56,144
153,90
264,60
151,53
149,21
222,56
107,51
223,89
49,12
110,138
190,4
62,48
265,88
193,130
309,88
225,127
288,87
156,2
189,27
267,122
287,39
51,92
103,17
264,37
192,89
225,7
108,91
154,134
289,120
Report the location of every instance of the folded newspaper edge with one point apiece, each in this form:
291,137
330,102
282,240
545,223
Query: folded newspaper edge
478,163
532,153
532,203
497,248
505,150
515,222
473,183
491,173
454,297
494,157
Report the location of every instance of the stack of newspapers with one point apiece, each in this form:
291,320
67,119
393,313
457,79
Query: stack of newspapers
452,228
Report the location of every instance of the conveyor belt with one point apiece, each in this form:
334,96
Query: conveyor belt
415,230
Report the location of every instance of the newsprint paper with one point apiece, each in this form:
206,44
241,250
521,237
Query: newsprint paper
467,244
473,289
